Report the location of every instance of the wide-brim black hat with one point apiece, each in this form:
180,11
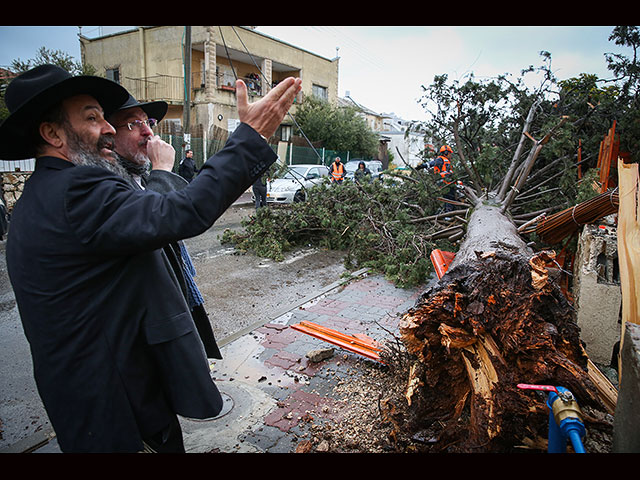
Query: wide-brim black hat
32,93
157,109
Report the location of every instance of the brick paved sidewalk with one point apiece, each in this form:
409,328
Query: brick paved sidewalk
274,391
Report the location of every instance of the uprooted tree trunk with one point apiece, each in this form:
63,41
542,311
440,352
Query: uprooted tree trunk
496,319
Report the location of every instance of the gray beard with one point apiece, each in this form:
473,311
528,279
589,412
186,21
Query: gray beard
92,160
138,168
84,154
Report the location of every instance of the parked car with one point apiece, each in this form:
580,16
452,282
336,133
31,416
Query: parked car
374,166
292,186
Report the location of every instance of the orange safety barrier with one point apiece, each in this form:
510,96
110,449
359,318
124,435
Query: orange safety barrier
359,343
441,261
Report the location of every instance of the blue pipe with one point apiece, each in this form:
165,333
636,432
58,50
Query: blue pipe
568,427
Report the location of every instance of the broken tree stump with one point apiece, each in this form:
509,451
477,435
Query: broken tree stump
495,319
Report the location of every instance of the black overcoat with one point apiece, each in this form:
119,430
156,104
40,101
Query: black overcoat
115,351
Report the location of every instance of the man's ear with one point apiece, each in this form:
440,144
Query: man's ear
50,132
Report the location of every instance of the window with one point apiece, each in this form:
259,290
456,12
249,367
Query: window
113,74
285,133
320,92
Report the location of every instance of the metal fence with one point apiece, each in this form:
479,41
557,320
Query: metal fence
17,165
318,156
166,87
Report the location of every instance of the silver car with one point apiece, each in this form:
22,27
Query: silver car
374,166
293,185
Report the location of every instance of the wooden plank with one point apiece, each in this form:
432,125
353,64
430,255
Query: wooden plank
608,393
629,242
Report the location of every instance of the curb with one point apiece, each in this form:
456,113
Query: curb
44,437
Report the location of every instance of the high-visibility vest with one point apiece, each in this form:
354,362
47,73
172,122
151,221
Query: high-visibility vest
337,172
445,171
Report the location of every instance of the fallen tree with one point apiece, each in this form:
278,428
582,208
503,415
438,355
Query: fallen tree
496,319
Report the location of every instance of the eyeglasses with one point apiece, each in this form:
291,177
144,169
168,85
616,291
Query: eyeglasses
151,122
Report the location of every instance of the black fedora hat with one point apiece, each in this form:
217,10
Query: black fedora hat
157,109
32,93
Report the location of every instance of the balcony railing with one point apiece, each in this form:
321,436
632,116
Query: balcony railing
171,88
159,87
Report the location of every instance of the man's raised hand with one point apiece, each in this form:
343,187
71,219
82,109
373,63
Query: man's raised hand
265,115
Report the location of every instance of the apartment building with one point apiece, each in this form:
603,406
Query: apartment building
194,69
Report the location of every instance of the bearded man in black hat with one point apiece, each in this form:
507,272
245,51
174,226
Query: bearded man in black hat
115,352
151,168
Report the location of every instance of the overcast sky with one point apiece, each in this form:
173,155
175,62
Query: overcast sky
383,68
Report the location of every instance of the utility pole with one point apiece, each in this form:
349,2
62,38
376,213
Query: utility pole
187,84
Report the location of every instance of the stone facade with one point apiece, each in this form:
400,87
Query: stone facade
12,185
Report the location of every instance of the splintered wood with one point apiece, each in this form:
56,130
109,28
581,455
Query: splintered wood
488,325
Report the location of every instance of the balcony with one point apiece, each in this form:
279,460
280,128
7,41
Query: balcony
171,88
159,87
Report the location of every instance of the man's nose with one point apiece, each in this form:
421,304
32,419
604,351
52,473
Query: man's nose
107,128
146,130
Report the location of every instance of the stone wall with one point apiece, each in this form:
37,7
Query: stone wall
12,185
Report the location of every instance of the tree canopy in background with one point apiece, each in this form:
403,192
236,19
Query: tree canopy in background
494,126
44,56
336,128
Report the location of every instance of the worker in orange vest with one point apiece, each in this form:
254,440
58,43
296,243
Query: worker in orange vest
336,171
441,166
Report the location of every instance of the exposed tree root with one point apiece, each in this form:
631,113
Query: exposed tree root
488,325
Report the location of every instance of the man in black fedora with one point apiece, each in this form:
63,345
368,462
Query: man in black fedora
115,352
133,123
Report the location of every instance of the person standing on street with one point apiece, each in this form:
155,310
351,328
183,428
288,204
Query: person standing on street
362,173
133,122
336,171
260,191
187,167
115,352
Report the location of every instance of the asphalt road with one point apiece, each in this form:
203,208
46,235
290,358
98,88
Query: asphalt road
240,291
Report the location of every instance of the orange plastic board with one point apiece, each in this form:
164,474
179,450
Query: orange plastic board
441,261
360,344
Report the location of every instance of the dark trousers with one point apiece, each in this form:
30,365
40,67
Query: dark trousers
168,440
450,195
261,196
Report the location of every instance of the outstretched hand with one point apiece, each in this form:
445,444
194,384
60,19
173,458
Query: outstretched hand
265,115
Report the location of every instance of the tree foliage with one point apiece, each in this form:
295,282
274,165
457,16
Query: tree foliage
495,126
59,58
336,128
380,225
44,56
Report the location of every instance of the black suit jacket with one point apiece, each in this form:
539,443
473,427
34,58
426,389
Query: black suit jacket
162,181
114,348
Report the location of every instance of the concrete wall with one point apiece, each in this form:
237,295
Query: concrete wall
597,291
626,426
